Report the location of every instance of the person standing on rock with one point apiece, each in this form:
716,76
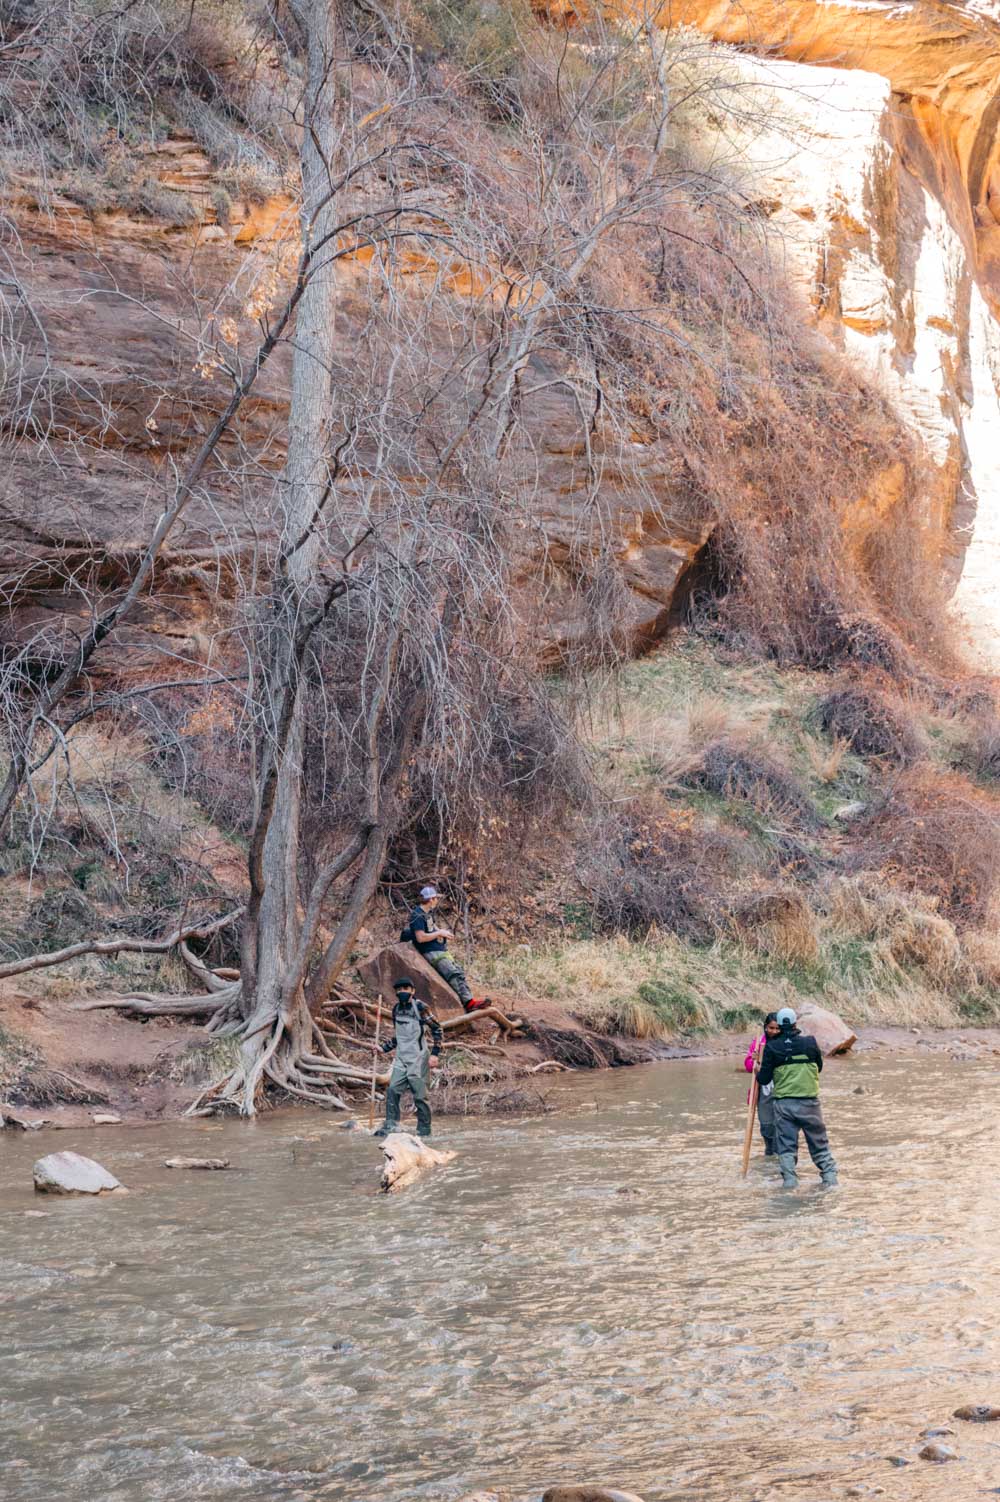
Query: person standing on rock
431,942
793,1062
765,1096
412,1019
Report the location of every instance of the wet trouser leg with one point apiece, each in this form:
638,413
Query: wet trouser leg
450,970
419,1081
765,1116
786,1141
817,1141
393,1097
791,1116
416,1080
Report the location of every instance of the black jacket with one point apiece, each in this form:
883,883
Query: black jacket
793,1056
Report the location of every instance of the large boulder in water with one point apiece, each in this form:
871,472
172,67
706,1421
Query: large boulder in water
381,972
70,1173
406,1159
830,1031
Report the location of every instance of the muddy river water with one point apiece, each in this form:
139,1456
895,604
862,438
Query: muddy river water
280,1332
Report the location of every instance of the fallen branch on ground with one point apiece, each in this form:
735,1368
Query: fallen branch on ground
118,946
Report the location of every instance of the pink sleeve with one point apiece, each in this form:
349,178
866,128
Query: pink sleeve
748,1062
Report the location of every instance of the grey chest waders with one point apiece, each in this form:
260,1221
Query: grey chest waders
411,1071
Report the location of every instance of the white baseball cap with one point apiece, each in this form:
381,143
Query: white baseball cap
426,893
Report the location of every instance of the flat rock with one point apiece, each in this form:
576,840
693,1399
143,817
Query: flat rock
406,1159
938,1453
105,1118
830,1031
70,1173
587,1494
977,1413
389,965
216,1163
848,811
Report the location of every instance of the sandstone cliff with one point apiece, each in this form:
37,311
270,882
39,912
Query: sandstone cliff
880,162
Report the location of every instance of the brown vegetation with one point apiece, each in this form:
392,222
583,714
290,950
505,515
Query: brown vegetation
933,833
872,721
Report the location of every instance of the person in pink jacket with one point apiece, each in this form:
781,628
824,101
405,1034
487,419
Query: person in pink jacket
765,1099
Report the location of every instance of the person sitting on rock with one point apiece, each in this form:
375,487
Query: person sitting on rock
411,1021
431,943
793,1062
765,1097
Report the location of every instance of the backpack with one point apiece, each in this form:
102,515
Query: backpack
406,934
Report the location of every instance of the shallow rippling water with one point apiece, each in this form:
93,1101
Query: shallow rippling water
281,1332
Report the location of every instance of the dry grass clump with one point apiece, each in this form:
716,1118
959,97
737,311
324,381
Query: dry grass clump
871,723
904,928
825,758
750,774
981,948
933,833
664,744
779,923
94,760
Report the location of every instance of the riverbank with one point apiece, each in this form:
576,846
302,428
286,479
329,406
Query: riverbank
63,1068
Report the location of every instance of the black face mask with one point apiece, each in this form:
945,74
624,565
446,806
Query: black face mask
406,996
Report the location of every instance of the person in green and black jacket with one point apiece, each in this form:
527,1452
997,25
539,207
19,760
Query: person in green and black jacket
793,1063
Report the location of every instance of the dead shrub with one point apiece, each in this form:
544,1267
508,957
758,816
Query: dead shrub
980,756
864,640
778,923
746,772
871,723
648,868
934,834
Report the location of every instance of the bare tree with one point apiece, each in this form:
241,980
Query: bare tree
445,296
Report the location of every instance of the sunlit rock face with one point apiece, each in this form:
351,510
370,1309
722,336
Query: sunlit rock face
871,136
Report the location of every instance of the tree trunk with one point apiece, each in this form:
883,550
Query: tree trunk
271,935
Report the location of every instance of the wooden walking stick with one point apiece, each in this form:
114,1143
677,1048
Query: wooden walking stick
378,1028
751,1110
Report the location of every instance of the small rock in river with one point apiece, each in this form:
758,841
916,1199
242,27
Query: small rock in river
898,1460
977,1413
587,1494
70,1173
215,1163
938,1453
936,1433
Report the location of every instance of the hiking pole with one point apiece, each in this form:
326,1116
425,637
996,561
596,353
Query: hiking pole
751,1113
378,1028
